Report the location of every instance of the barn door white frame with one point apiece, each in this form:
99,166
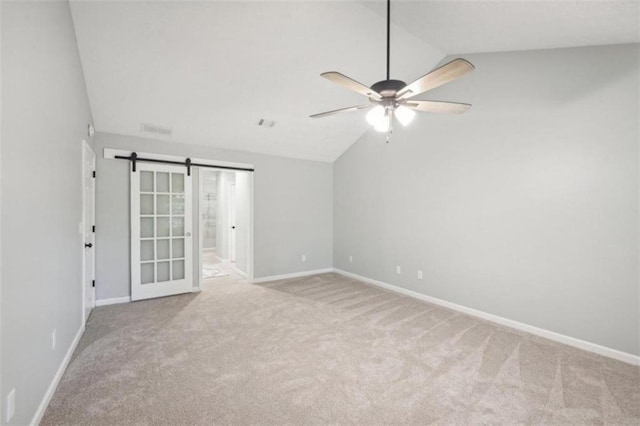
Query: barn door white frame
161,230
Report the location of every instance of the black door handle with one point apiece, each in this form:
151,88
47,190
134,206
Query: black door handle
88,245
233,227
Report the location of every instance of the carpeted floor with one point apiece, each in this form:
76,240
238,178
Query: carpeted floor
327,350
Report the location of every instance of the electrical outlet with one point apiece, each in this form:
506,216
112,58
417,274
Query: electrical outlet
11,405
419,275
398,270
350,259
53,339
304,257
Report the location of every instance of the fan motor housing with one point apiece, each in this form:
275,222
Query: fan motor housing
388,88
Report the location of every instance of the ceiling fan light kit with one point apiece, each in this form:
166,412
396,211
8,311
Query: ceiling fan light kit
389,99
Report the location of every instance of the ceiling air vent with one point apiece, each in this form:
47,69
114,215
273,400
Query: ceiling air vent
266,123
152,128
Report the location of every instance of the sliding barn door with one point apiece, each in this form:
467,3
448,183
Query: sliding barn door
161,246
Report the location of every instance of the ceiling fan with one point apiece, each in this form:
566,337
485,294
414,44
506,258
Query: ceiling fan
393,98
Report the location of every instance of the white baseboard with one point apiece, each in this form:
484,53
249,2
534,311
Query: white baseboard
239,272
113,301
551,335
293,275
56,379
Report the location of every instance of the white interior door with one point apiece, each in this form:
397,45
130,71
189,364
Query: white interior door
161,248
232,222
88,231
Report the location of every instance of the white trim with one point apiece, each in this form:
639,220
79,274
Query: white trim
232,214
551,335
56,379
239,272
250,260
85,145
198,283
113,301
110,154
293,275
2,413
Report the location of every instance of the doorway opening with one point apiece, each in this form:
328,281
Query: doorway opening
225,224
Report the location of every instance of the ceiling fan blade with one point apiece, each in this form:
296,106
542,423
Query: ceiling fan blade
337,111
351,84
439,106
446,73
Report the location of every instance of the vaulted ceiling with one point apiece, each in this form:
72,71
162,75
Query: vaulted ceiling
211,70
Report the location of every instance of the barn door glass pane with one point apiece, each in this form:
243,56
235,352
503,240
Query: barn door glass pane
162,226
163,249
146,270
162,182
177,183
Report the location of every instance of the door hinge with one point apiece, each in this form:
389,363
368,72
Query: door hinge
94,174
93,229
93,283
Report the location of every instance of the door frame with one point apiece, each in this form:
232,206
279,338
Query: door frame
112,153
250,257
232,214
83,225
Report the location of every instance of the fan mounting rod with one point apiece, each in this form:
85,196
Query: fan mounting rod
388,88
389,39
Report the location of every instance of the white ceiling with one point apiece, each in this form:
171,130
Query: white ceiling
211,70
479,26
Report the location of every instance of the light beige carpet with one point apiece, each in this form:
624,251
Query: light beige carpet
327,350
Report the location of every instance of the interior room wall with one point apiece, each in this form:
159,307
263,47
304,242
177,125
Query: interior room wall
525,207
292,210
45,113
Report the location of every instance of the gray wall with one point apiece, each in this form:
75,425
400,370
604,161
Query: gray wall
525,207
45,113
292,210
